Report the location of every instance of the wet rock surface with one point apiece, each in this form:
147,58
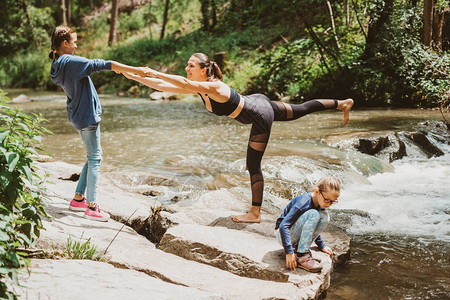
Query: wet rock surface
424,143
391,146
197,251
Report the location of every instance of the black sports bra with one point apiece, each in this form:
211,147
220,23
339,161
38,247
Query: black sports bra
226,108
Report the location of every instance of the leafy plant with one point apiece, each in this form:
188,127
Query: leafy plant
79,250
21,189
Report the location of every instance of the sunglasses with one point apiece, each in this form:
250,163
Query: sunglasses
328,201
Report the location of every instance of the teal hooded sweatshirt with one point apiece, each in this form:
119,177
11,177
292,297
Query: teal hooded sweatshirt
71,73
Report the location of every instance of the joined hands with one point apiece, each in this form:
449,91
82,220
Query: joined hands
150,72
139,71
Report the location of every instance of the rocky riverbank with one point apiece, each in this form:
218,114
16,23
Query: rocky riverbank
190,249
197,251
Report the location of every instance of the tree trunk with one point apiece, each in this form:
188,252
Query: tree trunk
25,8
427,22
166,12
248,3
438,25
63,12
246,9
113,25
205,14
68,12
376,26
150,21
333,27
214,14
233,5
347,13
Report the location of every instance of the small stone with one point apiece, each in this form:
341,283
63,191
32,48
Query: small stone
21,99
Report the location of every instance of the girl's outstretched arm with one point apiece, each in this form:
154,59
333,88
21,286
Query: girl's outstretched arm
157,84
217,88
121,68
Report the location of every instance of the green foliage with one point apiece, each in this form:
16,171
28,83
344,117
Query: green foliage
288,65
283,48
26,69
21,189
81,250
129,23
172,54
299,70
434,83
24,26
397,70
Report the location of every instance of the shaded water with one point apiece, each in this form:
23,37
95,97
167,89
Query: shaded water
400,252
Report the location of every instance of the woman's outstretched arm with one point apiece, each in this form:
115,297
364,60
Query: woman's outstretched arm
215,88
121,68
157,84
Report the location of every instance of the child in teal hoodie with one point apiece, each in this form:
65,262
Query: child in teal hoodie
71,73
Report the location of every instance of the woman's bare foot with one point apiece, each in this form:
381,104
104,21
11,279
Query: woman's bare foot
346,106
253,216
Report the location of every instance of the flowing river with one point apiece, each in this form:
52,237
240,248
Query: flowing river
396,214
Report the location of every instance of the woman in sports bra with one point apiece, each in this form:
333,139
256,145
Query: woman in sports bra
205,79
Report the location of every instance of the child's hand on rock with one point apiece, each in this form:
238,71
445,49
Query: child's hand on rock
328,251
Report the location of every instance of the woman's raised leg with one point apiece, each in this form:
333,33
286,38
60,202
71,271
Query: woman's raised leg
287,112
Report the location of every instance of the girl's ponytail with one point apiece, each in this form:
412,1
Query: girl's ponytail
53,55
62,33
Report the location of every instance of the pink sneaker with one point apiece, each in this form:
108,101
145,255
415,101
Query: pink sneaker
78,206
96,214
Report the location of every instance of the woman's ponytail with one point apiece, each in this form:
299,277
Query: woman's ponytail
212,68
215,70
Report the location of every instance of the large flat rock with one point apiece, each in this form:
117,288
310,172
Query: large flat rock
214,209
86,279
242,253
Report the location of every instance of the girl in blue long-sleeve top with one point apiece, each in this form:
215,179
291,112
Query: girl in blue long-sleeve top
71,73
302,221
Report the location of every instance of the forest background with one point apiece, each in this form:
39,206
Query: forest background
381,52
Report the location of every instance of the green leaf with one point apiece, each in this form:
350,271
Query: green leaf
4,151
12,158
3,236
5,177
27,172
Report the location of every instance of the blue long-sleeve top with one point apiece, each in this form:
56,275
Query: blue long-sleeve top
295,208
71,73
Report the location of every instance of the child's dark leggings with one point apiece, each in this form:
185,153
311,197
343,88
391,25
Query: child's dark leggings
260,111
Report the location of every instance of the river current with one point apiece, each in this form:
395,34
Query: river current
398,213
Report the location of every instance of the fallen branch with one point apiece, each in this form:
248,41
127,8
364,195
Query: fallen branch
104,253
